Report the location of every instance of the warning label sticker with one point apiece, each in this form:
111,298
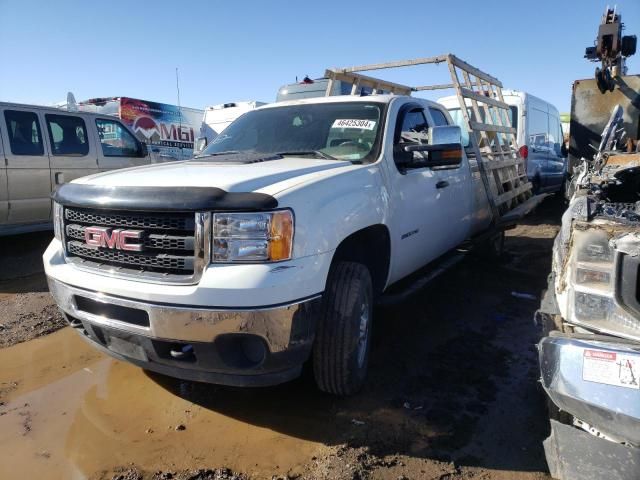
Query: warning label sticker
354,123
611,368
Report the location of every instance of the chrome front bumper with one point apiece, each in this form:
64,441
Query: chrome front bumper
239,347
584,376
276,325
614,410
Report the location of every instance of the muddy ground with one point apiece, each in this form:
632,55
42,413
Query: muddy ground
452,390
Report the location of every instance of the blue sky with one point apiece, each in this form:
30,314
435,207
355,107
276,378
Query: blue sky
244,50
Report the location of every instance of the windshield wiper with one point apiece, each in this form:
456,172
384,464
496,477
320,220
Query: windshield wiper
317,153
215,154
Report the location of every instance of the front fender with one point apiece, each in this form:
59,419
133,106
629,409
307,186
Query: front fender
329,209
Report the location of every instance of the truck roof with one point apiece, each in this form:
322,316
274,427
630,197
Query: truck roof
384,98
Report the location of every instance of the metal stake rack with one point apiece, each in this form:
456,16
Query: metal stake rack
492,139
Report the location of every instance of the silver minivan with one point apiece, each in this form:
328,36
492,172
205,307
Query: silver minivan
43,147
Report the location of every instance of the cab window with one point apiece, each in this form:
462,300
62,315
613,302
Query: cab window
438,117
68,135
24,133
115,139
412,129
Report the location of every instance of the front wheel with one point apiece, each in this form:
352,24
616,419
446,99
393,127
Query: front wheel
341,349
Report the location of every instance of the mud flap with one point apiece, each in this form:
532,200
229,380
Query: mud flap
573,454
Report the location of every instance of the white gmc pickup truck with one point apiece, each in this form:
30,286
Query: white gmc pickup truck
271,247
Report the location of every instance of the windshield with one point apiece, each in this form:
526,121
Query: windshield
342,131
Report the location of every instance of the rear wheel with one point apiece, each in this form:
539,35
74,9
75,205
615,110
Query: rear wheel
343,338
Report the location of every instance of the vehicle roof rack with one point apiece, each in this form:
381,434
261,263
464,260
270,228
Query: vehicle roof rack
492,139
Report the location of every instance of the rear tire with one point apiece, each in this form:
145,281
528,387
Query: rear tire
343,337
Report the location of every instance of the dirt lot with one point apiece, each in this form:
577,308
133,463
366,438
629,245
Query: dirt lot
452,391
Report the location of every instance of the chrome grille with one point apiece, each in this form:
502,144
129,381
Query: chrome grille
139,220
173,246
170,262
153,240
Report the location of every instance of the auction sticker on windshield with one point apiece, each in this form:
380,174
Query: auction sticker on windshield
611,368
354,123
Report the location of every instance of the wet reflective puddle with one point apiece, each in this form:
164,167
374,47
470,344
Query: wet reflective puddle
70,412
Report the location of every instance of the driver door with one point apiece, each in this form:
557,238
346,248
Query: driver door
421,222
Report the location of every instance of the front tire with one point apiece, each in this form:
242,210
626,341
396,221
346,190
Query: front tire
343,338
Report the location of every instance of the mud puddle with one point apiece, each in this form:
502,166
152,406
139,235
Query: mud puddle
69,412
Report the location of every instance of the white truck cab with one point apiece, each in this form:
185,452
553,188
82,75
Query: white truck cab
270,248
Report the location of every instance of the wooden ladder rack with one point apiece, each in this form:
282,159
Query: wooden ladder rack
492,139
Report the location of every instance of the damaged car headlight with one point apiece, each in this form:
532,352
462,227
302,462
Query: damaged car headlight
252,237
594,278
594,255
592,307
592,302
593,246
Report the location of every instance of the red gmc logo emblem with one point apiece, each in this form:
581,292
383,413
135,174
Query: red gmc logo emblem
113,238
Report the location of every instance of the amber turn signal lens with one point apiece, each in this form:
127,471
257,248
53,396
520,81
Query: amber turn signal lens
281,236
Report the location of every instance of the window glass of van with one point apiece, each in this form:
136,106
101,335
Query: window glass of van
539,131
513,117
555,134
24,133
115,139
68,135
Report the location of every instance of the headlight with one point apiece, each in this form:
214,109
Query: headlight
592,300
593,278
252,237
57,221
592,307
593,246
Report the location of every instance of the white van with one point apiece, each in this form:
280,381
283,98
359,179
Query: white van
43,147
539,134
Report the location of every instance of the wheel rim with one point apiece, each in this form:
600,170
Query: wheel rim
363,333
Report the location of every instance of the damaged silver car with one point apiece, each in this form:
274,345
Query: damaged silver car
590,319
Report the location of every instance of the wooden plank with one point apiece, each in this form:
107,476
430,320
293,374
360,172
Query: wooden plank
400,63
433,87
473,70
329,87
492,165
366,81
481,98
491,128
510,195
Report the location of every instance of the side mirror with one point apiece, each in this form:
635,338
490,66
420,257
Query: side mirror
444,148
200,144
143,151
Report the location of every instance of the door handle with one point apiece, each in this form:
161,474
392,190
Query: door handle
59,178
442,184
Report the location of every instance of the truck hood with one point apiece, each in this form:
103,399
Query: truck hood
267,175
